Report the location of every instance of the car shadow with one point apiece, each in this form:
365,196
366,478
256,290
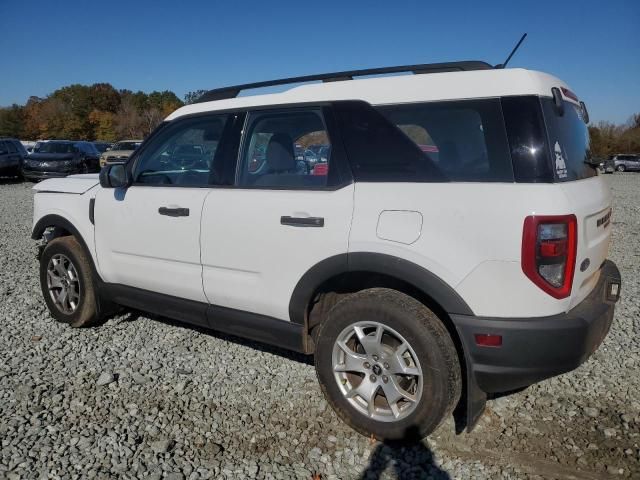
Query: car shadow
10,180
132,315
407,458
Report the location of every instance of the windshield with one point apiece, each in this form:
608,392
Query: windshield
569,142
101,147
54,147
126,146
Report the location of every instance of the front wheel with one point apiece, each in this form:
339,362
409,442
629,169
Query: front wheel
387,365
621,168
67,282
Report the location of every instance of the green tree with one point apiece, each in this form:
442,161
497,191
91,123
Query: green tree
12,121
192,97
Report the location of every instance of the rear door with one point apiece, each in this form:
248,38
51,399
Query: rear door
284,215
148,235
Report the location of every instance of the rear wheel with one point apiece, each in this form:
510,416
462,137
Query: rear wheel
67,282
387,365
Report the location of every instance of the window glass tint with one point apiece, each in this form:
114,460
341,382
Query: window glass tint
126,146
11,147
286,149
527,139
378,151
56,147
21,148
568,142
465,140
184,154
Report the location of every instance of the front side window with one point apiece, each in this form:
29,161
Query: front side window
185,154
285,149
11,147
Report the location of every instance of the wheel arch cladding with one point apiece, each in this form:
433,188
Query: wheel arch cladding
404,271
62,223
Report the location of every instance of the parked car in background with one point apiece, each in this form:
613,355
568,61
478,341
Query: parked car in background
28,145
120,152
12,154
59,158
608,166
102,146
624,163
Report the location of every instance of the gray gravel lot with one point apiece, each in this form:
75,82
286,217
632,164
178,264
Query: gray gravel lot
140,397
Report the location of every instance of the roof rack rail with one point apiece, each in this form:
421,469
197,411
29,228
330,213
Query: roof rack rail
232,92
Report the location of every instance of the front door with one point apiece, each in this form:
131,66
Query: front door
148,235
290,209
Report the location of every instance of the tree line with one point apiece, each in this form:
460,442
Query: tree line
101,112
609,139
89,112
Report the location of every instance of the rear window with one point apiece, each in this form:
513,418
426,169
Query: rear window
568,141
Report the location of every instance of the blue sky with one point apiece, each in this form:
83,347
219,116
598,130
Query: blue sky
187,45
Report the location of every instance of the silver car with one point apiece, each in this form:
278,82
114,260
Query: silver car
625,163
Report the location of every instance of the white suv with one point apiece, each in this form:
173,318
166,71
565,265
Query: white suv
451,243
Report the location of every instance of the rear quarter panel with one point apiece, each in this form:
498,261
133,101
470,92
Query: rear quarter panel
471,237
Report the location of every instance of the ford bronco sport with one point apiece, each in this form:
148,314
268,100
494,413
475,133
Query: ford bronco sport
453,246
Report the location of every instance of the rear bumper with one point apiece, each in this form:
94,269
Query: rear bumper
534,349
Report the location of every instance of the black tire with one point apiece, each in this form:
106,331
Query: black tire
621,168
430,340
86,311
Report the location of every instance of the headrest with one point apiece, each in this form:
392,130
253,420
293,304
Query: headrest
280,153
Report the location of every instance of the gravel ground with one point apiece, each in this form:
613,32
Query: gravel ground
141,397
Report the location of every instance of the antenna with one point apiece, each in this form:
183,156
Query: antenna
503,65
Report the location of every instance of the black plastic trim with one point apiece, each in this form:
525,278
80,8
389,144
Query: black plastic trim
534,349
233,91
243,324
420,278
302,221
92,210
189,311
257,327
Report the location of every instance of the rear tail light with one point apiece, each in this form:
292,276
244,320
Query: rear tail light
549,246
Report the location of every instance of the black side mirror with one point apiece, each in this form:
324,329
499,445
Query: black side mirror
114,175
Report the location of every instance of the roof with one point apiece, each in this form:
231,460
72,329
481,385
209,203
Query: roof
398,89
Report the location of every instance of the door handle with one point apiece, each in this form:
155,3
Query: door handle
174,212
302,221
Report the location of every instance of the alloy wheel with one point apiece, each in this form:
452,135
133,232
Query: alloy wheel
377,371
63,283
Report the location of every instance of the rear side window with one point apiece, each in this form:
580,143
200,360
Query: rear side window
378,151
286,149
527,139
568,142
464,139
11,147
